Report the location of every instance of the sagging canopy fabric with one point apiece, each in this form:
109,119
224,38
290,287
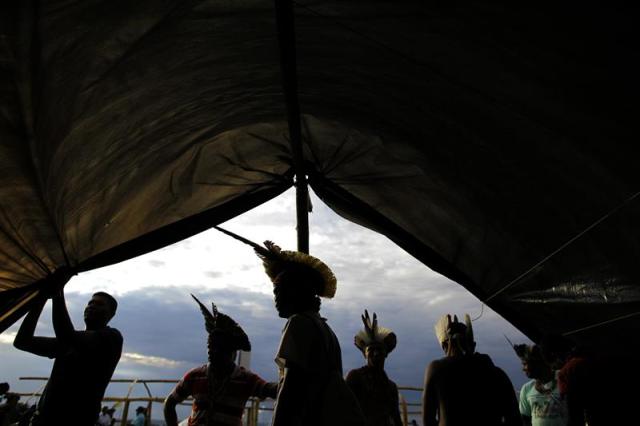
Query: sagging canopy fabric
494,143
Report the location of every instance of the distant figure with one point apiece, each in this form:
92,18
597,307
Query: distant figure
465,388
104,419
141,416
312,390
376,394
112,412
84,360
540,400
4,388
9,410
220,389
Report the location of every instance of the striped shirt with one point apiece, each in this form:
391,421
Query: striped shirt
229,399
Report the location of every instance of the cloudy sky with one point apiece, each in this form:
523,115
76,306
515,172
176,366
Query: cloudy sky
163,328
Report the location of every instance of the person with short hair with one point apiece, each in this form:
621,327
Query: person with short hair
220,389
141,416
376,393
84,360
104,419
465,387
540,401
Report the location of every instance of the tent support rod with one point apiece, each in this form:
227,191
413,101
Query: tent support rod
286,41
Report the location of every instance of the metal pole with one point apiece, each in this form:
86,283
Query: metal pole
286,40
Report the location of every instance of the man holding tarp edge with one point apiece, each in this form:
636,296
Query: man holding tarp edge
84,360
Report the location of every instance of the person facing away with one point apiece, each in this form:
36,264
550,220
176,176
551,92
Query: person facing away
312,390
84,360
540,401
376,394
220,389
466,388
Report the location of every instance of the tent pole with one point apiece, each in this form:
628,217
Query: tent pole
286,41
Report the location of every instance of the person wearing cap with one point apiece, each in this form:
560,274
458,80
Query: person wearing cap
541,403
312,390
376,394
220,389
465,387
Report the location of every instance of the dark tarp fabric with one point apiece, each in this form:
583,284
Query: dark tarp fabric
496,144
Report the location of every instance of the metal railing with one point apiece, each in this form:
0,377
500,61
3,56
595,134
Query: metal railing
252,409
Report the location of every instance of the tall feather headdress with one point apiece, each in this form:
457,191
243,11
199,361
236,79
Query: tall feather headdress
374,334
275,261
219,324
446,328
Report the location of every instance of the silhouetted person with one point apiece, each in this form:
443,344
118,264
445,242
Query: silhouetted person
84,360
105,417
9,410
220,389
465,388
587,383
540,401
4,388
312,390
141,416
376,394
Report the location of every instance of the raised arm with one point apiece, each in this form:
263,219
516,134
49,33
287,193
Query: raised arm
25,339
62,324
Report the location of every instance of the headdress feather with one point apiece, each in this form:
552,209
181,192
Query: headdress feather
373,333
446,328
219,324
275,261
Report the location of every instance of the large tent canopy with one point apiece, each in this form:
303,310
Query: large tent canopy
495,143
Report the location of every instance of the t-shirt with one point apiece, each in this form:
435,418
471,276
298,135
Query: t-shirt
104,420
82,370
548,408
139,421
229,398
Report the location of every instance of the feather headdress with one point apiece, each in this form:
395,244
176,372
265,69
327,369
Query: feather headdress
445,328
275,261
374,334
219,324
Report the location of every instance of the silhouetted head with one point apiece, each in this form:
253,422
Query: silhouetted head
533,364
456,338
4,388
99,311
375,341
221,350
555,349
296,290
375,355
141,409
